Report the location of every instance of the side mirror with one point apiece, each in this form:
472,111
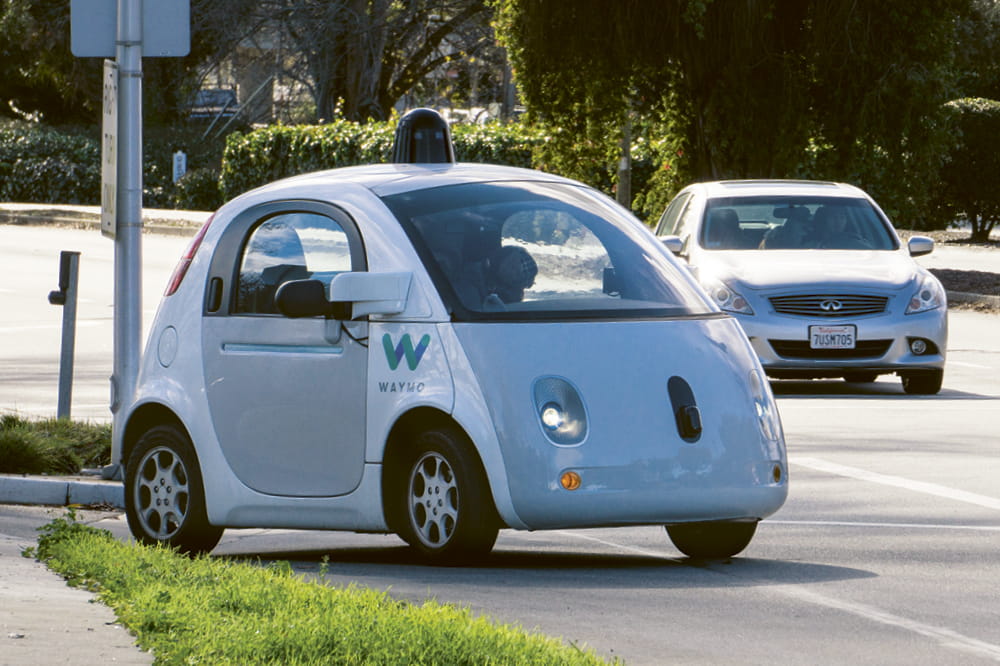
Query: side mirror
303,298
920,245
349,296
673,243
371,293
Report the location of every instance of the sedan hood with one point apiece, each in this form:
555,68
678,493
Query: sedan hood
775,268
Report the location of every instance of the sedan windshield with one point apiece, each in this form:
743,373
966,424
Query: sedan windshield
541,251
794,223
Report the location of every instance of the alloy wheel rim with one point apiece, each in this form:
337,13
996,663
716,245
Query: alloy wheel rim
162,494
433,500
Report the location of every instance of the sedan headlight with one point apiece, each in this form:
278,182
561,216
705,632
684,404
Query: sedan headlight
725,297
928,296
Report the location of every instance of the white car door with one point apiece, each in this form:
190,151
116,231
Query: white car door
287,396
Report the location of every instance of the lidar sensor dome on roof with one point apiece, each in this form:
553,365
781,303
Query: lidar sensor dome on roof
423,137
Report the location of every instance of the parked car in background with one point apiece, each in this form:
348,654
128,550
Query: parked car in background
441,351
817,276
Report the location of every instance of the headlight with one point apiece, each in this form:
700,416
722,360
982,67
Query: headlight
725,297
928,296
560,411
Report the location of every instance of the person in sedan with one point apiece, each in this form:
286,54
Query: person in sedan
836,232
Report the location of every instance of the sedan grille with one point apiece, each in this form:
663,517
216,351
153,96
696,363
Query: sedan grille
801,349
829,305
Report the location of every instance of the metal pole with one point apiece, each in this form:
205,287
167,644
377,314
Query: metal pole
128,239
69,263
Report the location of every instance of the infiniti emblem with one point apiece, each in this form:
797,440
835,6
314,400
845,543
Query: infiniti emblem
830,305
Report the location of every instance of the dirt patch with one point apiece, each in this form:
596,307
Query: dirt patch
972,282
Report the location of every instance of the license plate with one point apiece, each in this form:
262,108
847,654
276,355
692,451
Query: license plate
832,337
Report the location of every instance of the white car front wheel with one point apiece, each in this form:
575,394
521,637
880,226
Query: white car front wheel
449,514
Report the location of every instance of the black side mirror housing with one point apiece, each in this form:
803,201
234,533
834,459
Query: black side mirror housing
307,298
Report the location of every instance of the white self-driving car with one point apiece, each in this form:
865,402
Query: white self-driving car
443,350
817,276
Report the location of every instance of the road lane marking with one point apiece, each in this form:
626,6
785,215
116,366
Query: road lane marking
821,465
944,636
904,526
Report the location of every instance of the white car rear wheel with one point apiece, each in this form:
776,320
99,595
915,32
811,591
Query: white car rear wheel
164,495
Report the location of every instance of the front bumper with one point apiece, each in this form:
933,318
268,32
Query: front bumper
883,344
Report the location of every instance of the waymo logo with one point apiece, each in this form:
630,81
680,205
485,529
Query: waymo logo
395,353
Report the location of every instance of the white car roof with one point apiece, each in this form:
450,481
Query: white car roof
731,188
388,179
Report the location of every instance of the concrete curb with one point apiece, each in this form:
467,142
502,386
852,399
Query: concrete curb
60,491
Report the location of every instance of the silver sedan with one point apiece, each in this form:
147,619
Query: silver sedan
817,276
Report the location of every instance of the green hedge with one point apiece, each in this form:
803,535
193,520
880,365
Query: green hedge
46,165
41,164
38,164
268,154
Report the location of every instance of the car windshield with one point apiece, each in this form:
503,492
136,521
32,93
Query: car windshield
794,223
531,250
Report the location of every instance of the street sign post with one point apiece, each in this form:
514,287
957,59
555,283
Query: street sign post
126,30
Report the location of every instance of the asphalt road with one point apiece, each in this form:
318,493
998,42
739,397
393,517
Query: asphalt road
885,553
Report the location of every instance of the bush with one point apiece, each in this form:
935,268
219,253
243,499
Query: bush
198,190
276,152
39,164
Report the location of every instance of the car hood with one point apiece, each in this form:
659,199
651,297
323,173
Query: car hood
776,268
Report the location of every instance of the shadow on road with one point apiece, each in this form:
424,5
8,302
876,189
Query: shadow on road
398,567
819,388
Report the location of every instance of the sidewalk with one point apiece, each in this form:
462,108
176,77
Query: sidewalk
45,621
42,619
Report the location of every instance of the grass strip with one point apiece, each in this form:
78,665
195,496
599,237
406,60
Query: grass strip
215,611
52,446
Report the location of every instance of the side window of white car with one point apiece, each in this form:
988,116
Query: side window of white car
290,246
668,221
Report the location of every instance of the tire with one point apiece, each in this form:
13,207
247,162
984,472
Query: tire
443,500
860,377
926,382
164,493
712,540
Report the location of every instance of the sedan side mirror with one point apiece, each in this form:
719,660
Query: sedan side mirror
920,245
673,243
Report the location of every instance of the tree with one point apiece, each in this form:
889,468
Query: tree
968,178
359,57
41,78
747,88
